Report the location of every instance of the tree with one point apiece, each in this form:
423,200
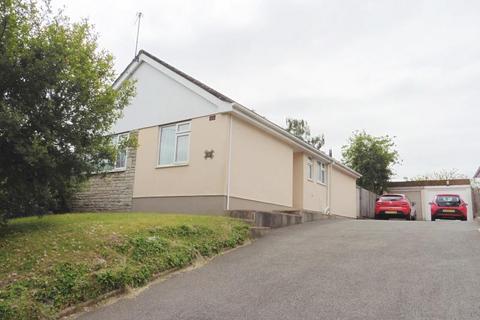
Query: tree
57,106
301,129
373,157
441,175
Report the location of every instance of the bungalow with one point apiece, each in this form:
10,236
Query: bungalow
201,152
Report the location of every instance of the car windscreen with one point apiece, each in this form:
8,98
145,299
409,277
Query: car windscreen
448,200
391,198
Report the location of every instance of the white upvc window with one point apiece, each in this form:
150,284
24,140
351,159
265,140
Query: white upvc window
321,172
121,157
309,169
174,144
120,161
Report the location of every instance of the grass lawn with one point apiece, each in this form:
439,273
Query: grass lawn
50,263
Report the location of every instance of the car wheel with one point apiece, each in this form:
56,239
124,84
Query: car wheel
408,218
433,219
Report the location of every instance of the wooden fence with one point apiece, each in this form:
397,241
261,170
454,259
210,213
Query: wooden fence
365,203
476,201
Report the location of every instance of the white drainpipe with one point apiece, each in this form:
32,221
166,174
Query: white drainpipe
329,186
229,161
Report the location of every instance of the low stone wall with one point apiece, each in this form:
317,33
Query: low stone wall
112,191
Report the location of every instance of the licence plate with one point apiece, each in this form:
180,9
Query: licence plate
391,212
449,211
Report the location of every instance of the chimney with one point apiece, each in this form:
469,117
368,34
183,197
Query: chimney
330,153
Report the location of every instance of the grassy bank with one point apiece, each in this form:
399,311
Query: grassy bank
51,263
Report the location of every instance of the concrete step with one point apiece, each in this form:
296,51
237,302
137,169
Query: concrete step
276,219
306,215
242,214
249,221
290,211
271,219
258,232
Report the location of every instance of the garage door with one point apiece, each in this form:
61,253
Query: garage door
463,191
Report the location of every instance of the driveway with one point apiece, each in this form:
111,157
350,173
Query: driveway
330,269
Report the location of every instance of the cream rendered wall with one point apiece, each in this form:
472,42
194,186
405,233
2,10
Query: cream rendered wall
261,166
298,180
343,194
200,177
314,193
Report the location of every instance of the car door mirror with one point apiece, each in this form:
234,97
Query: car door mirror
430,203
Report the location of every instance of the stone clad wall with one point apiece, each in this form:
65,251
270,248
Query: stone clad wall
112,191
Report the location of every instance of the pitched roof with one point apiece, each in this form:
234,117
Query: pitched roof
189,78
237,107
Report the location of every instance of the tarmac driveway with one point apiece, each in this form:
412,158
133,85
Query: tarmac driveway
330,269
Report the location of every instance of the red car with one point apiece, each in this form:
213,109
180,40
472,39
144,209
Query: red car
448,206
395,206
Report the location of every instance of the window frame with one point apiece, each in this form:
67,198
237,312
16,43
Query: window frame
310,174
178,133
127,136
322,173
115,142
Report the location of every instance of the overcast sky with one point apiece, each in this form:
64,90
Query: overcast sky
409,69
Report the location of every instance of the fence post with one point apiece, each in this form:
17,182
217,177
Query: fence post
366,203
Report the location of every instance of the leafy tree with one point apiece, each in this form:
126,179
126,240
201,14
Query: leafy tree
373,157
57,105
301,129
441,175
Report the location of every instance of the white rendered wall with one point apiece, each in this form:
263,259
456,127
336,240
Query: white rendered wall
161,99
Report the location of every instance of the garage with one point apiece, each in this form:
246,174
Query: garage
423,192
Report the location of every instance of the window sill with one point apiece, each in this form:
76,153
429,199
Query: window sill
308,179
322,183
173,165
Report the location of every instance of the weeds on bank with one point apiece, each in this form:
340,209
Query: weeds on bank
116,260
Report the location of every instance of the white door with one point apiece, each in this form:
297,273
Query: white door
429,193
